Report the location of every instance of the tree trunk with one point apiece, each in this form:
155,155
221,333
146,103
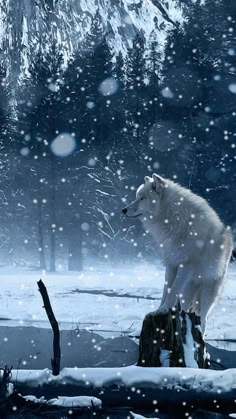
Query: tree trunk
173,339
52,250
53,220
42,259
75,257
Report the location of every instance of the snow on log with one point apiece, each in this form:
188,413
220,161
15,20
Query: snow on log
139,386
30,406
173,339
76,401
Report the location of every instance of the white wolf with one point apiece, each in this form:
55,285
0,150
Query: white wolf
195,245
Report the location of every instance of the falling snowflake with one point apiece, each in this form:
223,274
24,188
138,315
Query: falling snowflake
63,145
232,87
109,87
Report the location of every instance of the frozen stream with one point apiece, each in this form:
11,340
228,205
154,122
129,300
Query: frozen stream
111,303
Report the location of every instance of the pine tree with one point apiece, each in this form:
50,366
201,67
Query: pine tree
11,212
136,88
41,117
196,80
153,70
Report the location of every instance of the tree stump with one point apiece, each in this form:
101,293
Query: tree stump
173,339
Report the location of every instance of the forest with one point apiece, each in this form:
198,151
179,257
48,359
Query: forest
100,122
103,315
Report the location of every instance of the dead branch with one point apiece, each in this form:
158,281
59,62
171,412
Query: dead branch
55,361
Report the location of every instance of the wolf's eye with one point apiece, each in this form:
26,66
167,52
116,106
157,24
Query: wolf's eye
141,198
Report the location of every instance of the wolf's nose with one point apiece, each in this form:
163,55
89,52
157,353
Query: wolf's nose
124,210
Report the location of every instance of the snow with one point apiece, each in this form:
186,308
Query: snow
135,416
110,302
108,87
72,20
229,334
85,227
53,87
78,401
25,151
90,105
232,87
25,40
34,399
133,377
9,389
189,346
63,145
167,93
165,358
102,192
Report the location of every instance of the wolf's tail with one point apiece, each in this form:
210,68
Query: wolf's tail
233,256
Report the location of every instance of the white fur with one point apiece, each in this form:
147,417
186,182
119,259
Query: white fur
194,244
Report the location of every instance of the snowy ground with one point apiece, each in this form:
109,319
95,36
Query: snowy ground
110,302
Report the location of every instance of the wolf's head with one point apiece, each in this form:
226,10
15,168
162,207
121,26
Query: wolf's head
147,202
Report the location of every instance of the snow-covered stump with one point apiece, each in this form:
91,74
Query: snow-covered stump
173,339
5,386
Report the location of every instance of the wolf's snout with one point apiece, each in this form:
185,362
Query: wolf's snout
124,210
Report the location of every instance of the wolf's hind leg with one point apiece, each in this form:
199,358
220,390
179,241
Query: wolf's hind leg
208,296
170,275
183,278
189,297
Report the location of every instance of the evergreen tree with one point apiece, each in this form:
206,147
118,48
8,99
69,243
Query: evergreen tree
135,92
153,65
196,92
10,211
41,117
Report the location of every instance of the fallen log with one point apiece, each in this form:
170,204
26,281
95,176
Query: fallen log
28,407
173,339
134,386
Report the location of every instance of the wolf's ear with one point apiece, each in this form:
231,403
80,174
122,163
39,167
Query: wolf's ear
158,182
147,179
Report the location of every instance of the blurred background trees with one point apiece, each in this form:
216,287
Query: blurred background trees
78,139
